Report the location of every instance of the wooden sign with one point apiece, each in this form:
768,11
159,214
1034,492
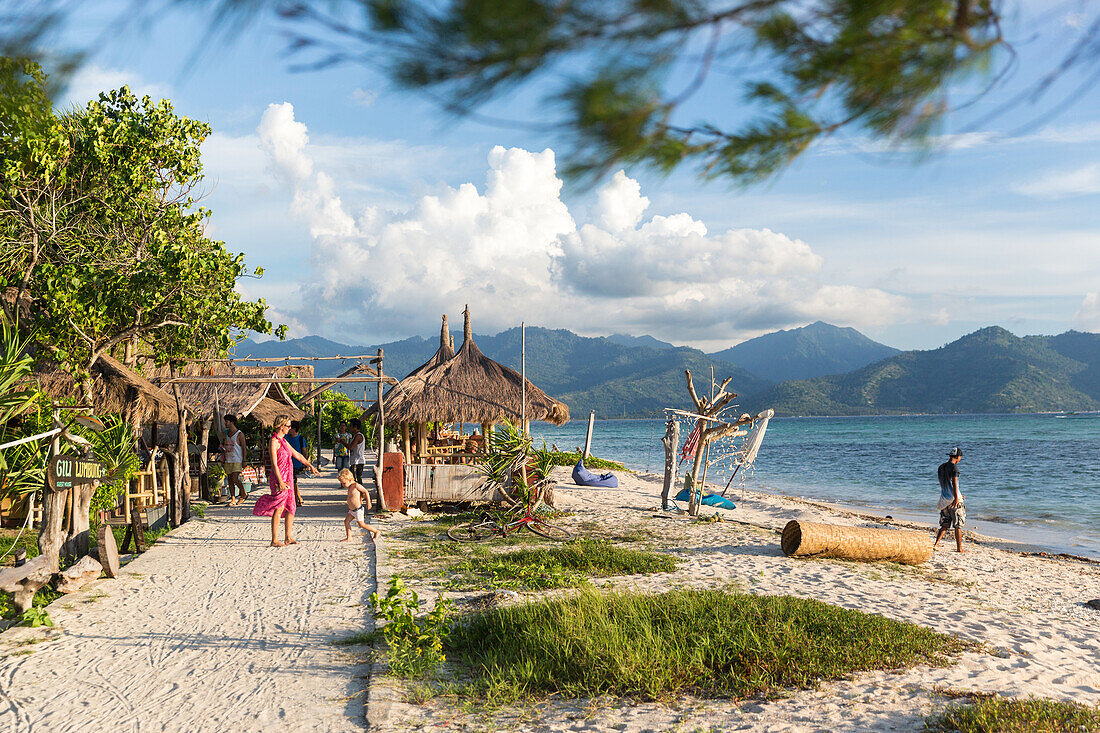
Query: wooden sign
66,472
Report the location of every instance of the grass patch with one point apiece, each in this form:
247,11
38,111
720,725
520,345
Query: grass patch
28,541
151,536
989,714
708,643
359,639
570,458
561,566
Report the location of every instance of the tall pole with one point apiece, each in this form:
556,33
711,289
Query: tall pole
523,373
588,437
381,438
318,408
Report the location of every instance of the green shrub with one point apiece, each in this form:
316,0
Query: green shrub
570,458
35,616
656,647
992,714
416,647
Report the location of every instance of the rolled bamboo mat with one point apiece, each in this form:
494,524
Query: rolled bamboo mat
813,539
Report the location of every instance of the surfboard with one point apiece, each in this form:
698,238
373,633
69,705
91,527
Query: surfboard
393,481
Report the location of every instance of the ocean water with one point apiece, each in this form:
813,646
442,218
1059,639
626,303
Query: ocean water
1033,478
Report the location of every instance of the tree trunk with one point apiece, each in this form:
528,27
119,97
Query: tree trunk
696,484
204,440
78,542
672,445
182,479
50,536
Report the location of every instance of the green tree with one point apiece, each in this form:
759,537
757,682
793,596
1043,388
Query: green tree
104,246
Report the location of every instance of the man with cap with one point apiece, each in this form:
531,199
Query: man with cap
952,513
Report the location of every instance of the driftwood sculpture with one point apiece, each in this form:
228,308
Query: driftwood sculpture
712,429
814,539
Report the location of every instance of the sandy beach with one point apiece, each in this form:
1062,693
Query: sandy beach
1028,612
212,630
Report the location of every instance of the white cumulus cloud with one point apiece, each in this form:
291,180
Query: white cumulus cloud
1087,317
514,251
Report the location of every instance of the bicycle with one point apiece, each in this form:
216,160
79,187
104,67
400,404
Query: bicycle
488,526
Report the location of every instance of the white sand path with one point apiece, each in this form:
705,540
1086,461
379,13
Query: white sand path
209,630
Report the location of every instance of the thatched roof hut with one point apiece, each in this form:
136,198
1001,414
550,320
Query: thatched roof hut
262,401
468,388
115,388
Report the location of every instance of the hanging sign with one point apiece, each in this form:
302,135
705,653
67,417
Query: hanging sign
66,472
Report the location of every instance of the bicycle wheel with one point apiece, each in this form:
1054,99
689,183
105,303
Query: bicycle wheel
471,531
549,531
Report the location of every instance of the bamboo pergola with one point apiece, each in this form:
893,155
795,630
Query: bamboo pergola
464,387
244,391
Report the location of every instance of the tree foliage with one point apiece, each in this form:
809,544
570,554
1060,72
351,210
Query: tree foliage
102,243
622,72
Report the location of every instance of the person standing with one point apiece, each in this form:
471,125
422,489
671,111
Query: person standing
279,504
297,442
340,443
952,512
358,450
233,452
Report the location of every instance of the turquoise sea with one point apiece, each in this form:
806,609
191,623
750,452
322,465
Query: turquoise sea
1033,478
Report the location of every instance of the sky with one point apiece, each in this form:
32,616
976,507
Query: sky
372,211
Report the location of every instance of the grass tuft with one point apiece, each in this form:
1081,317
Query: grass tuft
707,642
986,714
561,566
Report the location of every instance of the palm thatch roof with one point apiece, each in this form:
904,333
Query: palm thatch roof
115,388
468,387
260,401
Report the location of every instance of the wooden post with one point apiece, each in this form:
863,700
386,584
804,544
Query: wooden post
381,438
318,408
422,441
78,543
406,443
672,445
588,436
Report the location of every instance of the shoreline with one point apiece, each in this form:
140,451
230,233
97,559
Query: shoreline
982,530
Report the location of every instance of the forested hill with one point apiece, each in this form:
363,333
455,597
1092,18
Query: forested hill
990,370
803,353
614,379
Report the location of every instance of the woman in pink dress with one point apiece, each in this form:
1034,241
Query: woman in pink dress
280,477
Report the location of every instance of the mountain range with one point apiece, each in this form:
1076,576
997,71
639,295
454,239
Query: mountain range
818,369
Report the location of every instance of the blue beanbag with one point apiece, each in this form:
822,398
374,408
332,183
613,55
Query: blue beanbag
583,477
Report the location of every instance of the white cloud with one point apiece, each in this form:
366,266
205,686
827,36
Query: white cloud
364,97
513,251
1081,181
91,79
1087,317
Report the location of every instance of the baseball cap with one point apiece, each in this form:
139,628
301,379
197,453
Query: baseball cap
956,452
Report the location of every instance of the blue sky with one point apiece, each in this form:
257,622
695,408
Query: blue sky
372,211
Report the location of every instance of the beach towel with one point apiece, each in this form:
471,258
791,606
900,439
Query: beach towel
708,500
